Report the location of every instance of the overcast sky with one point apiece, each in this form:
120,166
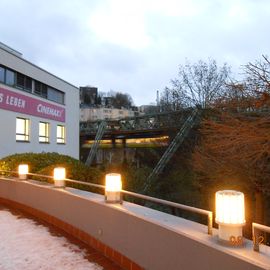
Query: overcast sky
134,46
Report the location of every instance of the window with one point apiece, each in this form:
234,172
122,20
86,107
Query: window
28,83
23,82
55,95
2,74
20,80
10,77
41,89
43,132
22,129
61,134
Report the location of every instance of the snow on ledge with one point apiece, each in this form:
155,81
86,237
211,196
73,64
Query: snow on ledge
27,245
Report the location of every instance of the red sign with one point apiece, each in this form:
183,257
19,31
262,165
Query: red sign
15,102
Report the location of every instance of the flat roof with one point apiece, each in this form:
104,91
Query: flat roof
9,49
17,54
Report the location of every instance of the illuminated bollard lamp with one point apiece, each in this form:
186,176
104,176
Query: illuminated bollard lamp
113,187
23,170
59,176
230,216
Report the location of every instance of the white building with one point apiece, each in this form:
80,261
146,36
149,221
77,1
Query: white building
103,113
38,111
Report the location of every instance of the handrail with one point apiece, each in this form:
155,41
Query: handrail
177,205
85,183
40,175
209,214
13,172
33,174
257,240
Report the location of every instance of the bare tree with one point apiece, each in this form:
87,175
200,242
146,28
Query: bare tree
171,100
258,75
235,151
258,81
200,83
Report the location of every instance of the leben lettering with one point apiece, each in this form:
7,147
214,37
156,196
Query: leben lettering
16,102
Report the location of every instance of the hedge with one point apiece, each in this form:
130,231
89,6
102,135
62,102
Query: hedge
44,163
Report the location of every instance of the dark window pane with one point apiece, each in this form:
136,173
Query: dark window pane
2,74
10,77
37,88
40,89
28,83
20,80
44,90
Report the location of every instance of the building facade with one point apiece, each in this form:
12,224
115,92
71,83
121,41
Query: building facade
105,113
39,112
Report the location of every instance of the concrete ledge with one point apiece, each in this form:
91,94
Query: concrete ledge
133,236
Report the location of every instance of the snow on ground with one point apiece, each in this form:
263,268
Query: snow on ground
24,244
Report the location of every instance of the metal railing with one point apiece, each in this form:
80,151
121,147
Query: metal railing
209,214
258,239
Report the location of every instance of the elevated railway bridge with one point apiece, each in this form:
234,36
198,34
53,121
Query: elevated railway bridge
144,126
158,128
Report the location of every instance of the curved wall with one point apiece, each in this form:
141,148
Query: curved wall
133,236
